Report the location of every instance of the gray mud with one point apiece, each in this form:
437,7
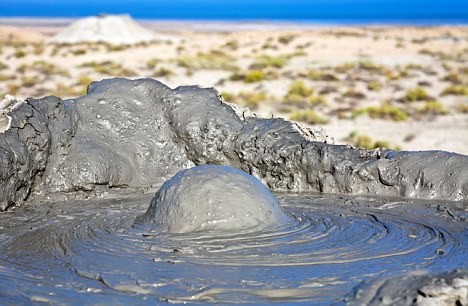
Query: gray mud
213,198
87,252
87,169
138,133
449,288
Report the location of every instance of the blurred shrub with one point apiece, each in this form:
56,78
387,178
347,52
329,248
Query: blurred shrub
308,116
318,75
213,60
364,141
286,39
456,90
416,94
432,108
384,111
354,93
300,88
462,107
374,86
267,61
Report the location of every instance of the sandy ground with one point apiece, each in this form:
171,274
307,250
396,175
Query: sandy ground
337,74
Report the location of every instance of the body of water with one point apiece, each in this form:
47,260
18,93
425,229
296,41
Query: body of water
417,12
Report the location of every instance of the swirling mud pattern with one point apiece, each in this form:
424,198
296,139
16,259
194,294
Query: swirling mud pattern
80,223
91,251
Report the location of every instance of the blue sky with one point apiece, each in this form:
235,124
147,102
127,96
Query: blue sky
242,9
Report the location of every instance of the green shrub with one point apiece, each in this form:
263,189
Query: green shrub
13,88
381,144
112,48
213,60
308,116
46,68
462,107
38,49
295,99
369,65
416,94
251,76
348,33
20,53
384,111
318,100
65,91
162,72
248,99
463,70
364,141
453,78
300,88
252,99
343,68
232,44
354,93
412,66
28,81
268,45
84,80
4,77
79,51
286,39
254,76
267,61
318,75
433,108
152,63
419,40
456,90
109,68
228,97
437,54
297,53
374,86
392,75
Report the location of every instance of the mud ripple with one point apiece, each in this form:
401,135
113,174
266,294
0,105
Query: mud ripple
88,252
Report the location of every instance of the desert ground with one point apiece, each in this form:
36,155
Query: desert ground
402,88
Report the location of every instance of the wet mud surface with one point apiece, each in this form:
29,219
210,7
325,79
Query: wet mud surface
79,252
133,134
76,174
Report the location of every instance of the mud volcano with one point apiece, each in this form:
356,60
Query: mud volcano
211,197
356,226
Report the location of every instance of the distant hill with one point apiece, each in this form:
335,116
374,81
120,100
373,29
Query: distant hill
113,29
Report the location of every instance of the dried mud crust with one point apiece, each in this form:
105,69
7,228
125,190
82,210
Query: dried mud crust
138,133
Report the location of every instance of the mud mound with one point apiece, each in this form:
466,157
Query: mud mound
210,197
138,133
113,29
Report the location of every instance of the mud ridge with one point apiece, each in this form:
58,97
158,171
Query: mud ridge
137,133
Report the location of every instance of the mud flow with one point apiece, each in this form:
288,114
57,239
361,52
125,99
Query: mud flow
82,252
79,223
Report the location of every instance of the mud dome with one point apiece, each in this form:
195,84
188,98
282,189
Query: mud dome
135,134
211,197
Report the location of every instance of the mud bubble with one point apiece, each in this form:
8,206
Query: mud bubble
212,197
